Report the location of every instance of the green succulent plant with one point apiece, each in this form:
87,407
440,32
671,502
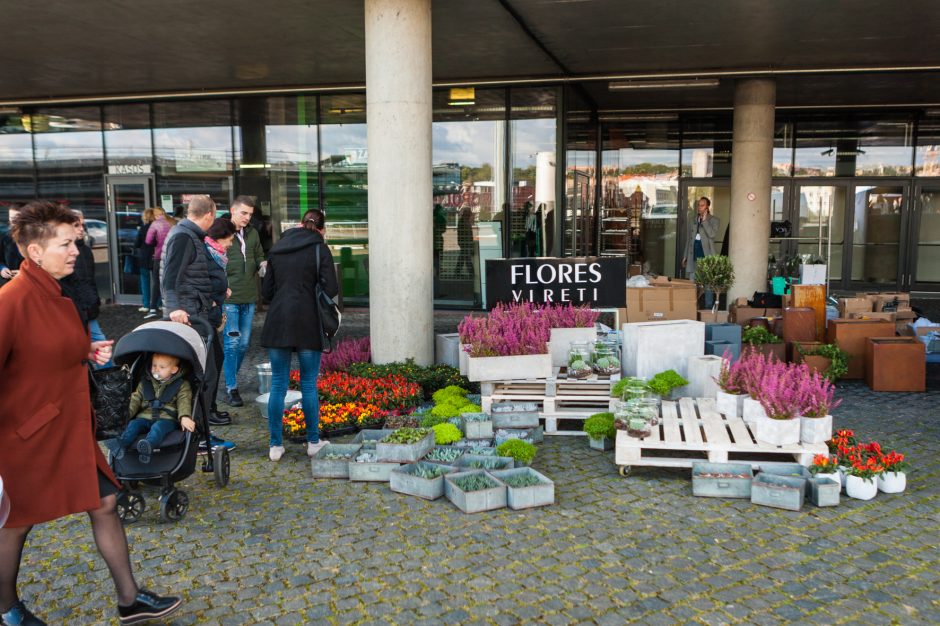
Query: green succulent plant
518,481
407,435
519,450
664,382
474,482
600,425
446,433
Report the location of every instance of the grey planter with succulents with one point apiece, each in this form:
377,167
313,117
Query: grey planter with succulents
526,496
373,435
405,452
532,435
492,496
603,444
514,418
444,455
364,466
485,462
722,480
408,479
332,460
475,427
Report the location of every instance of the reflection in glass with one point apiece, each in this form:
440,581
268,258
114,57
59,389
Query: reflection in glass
532,175
581,165
16,162
291,155
821,229
928,147
846,147
706,147
129,200
928,237
782,162
876,233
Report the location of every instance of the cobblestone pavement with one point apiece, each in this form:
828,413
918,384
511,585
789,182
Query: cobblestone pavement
277,547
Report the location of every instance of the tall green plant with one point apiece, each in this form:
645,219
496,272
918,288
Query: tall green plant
716,273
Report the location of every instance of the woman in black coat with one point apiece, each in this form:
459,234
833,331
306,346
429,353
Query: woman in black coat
218,240
292,323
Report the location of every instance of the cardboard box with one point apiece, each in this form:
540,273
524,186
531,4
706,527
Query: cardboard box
706,315
663,300
634,269
743,314
893,300
891,317
848,306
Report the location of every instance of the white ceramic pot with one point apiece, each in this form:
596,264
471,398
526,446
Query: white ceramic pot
892,482
752,411
860,488
815,429
517,367
777,432
730,404
835,476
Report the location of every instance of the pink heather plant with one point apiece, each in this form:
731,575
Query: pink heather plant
570,316
750,372
784,388
345,353
508,330
731,378
819,397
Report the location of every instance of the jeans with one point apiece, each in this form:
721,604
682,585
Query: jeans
156,300
280,375
156,430
145,287
94,329
237,335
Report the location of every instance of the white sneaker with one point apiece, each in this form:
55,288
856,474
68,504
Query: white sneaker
143,309
275,453
313,448
151,313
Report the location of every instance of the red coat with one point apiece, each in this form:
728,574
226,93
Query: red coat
48,451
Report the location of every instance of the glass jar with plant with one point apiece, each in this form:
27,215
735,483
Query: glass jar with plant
580,360
715,273
629,388
606,358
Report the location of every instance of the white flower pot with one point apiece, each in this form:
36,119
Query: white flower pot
778,432
517,367
815,429
836,476
752,411
560,342
860,488
730,404
843,474
892,482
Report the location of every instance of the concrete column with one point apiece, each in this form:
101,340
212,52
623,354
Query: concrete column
751,159
398,114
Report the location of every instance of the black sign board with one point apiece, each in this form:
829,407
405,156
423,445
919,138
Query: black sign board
597,281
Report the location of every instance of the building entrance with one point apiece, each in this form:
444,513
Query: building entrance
128,196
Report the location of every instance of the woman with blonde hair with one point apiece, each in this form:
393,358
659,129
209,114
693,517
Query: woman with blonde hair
156,236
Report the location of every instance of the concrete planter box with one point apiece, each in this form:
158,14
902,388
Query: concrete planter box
514,419
449,461
321,467
722,480
405,452
476,429
447,349
778,432
603,444
780,492
752,411
501,462
292,398
532,435
518,367
475,501
703,370
518,498
560,342
371,472
824,491
815,429
730,404
792,470
372,435
403,480
653,347
463,359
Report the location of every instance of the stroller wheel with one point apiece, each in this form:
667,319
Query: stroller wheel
173,505
130,506
221,465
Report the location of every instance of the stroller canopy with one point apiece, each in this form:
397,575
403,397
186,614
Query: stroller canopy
172,338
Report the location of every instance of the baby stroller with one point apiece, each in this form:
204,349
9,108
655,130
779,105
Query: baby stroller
175,459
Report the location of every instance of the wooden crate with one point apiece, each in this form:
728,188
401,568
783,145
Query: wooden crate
698,431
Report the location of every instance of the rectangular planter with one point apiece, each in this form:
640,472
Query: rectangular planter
402,480
463,359
703,370
371,472
321,467
816,429
372,434
780,492
728,332
476,429
560,342
447,349
475,501
514,419
405,452
730,404
602,444
777,432
793,470
528,497
722,480
532,435
460,452
653,347
518,367
823,491
504,462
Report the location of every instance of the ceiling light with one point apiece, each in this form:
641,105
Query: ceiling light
638,117
664,84
462,96
345,110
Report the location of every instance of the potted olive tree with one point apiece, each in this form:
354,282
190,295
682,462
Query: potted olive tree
715,273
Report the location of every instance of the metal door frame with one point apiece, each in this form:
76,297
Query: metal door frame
912,237
908,198
147,181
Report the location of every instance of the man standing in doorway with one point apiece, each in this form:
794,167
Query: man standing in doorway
245,258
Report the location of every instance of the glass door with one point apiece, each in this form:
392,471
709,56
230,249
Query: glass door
923,260
818,225
878,221
663,246
128,196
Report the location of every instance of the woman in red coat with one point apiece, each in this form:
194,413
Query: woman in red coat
49,460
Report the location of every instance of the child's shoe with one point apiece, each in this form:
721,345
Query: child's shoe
144,450
115,448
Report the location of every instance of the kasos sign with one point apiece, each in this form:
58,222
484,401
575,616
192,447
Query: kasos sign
596,281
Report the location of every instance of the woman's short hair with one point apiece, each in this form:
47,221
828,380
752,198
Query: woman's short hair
36,223
221,228
313,219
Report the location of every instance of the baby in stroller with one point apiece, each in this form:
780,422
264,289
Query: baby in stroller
162,403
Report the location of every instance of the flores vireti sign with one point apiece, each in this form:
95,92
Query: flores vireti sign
597,281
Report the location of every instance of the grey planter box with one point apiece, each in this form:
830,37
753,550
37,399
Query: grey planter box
475,501
604,443
321,467
405,452
515,419
706,483
532,435
527,497
823,491
781,492
373,435
460,452
504,462
477,429
402,480
371,472
787,469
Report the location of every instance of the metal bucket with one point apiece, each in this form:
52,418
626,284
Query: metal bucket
264,378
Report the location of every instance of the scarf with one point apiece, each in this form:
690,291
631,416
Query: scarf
217,252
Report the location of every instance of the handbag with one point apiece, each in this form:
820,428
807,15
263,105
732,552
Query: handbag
111,389
329,313
780,229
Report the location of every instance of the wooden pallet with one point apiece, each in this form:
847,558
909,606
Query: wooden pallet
697,428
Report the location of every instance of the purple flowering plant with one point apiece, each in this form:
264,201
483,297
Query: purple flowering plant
819,396
508,330
569,316
345,353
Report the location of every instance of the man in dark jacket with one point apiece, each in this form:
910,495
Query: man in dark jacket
81,287
10,257
184,276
